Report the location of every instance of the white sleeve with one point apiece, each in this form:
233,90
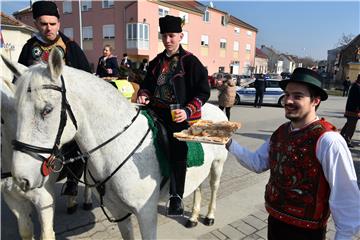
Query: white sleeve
344,200
257,161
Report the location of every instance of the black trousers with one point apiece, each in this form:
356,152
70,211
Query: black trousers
349,128
278,230
227,111
259,95
178,150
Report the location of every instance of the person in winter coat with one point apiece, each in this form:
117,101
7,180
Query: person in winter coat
227,93
108,64
352,112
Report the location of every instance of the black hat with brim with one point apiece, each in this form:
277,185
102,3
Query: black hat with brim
41,8
307,77
170,24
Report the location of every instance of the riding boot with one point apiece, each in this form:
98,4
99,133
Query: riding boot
176,207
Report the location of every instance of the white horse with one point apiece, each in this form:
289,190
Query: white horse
100,112
20,202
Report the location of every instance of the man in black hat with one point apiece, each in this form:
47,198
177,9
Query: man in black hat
175,76
311,169
36,50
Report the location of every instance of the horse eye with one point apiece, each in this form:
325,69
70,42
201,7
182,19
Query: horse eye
47,109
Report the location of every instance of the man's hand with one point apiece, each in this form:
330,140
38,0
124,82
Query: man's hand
180,115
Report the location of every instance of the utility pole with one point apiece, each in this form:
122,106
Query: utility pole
80,26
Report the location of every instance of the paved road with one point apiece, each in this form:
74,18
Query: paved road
240,212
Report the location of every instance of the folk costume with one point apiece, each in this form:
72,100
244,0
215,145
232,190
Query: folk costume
36,50
311,175
181,79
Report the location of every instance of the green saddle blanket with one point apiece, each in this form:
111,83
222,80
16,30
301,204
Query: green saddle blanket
195,155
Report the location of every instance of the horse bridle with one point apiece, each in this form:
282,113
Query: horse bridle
54,163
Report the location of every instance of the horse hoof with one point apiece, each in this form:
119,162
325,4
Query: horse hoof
209,221
71,210
87,206
191,224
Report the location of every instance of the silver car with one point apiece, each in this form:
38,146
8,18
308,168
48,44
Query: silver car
273,93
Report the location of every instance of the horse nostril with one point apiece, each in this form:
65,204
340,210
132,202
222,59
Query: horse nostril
24,184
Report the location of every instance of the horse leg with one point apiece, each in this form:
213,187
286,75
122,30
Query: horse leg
43,201
21,208
193,220
126,229
147,219
215,175
71,204
87,205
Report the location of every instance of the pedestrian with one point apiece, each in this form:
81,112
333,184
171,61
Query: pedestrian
175,76
352,112
312,173
143,66
107,64
346,86
125,61
47,21
227,93
260,89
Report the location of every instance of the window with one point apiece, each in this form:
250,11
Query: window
163,11
185,39
223,20
185,16
159,34
248,48
69,32
206,16
107,3
109,31
236,46
204,40
85,5
237,30
249,33
137,35
88,33
222,43
67,6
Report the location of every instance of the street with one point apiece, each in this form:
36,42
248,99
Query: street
240,193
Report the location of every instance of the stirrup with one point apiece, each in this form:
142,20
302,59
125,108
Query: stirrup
168,212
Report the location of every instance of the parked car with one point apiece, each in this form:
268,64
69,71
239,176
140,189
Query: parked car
273,93
212,81
285,75
240,79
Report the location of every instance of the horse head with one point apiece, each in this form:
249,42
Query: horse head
40,100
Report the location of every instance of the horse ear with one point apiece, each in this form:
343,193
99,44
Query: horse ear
15,68
10,85
56,63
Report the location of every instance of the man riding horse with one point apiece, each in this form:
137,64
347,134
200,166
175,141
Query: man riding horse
37,49
175,76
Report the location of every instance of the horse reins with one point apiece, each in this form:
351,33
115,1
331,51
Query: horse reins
49,164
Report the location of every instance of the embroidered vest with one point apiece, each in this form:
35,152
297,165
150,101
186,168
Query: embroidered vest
297,192
40,51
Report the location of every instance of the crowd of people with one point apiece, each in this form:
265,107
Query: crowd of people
311,168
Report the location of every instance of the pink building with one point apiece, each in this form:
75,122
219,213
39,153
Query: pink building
222,42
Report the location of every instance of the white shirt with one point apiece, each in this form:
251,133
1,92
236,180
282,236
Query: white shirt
337,164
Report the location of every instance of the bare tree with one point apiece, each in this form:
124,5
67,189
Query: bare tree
344,40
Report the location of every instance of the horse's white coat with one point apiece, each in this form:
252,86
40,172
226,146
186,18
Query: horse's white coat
101,112
20,202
